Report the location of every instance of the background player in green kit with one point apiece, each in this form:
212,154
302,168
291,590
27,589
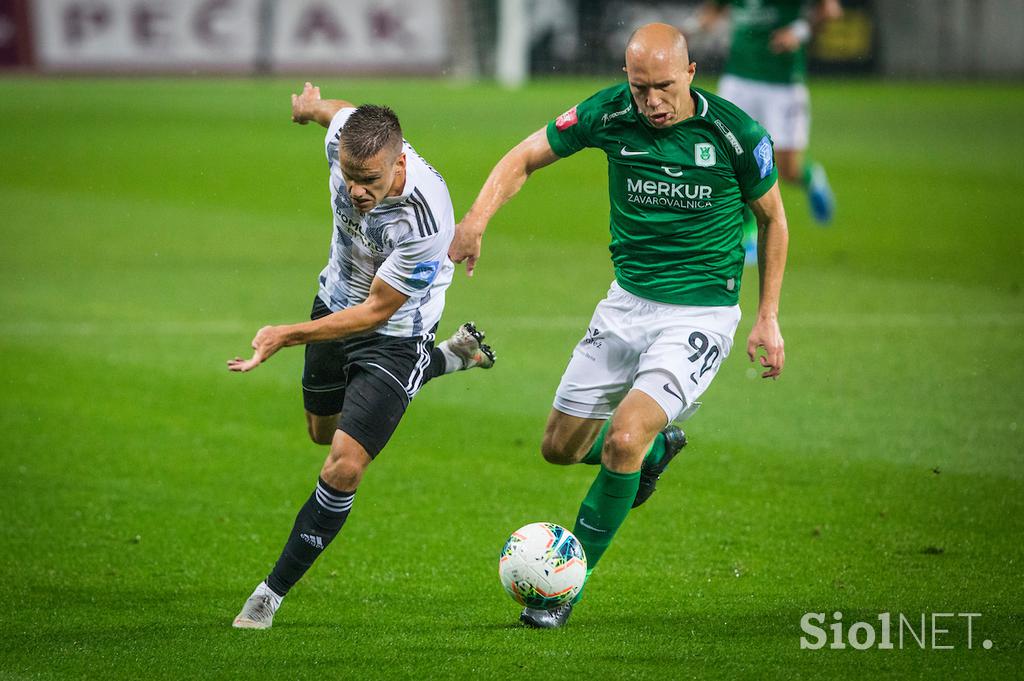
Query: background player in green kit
765,75
682,166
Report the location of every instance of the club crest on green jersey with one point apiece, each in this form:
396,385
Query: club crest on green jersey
704,154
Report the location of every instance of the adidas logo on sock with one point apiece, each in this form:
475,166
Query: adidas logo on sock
313,540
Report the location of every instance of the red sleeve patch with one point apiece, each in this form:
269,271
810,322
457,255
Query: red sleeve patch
567,120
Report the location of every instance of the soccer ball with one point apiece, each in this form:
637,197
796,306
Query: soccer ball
542,566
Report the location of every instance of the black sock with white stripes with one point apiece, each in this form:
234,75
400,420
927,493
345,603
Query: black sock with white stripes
318,522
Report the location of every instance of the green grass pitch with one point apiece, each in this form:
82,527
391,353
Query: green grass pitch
149,227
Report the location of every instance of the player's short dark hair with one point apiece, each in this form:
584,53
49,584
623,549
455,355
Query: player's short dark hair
369,129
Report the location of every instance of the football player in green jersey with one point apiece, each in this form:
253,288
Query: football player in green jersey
682,166
765,75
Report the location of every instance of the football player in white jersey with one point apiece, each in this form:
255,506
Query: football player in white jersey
370,340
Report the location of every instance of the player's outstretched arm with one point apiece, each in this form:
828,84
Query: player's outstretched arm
504,182
772,245
704,19
789,38
827,10
378,308
308,106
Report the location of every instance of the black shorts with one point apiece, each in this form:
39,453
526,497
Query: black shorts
369,379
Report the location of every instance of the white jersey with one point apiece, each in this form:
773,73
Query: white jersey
404,240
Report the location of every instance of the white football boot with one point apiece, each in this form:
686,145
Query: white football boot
258,611
466,349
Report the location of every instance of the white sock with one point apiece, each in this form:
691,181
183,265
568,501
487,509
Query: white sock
452,362
264,590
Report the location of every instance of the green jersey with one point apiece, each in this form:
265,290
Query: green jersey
751,55
676,193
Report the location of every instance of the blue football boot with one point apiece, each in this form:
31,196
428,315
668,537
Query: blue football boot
819,193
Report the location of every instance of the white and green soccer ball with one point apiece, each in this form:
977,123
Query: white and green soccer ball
542,566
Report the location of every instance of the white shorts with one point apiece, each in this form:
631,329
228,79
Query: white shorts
670,352
784,109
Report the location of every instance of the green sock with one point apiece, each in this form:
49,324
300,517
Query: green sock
586,579
603,510
593,456
656,451
806,172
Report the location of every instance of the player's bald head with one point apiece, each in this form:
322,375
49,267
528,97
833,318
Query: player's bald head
659,72
657,44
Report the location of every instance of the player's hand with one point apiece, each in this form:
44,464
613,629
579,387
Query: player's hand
268,340
466,244
784,40
304,105
766,334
